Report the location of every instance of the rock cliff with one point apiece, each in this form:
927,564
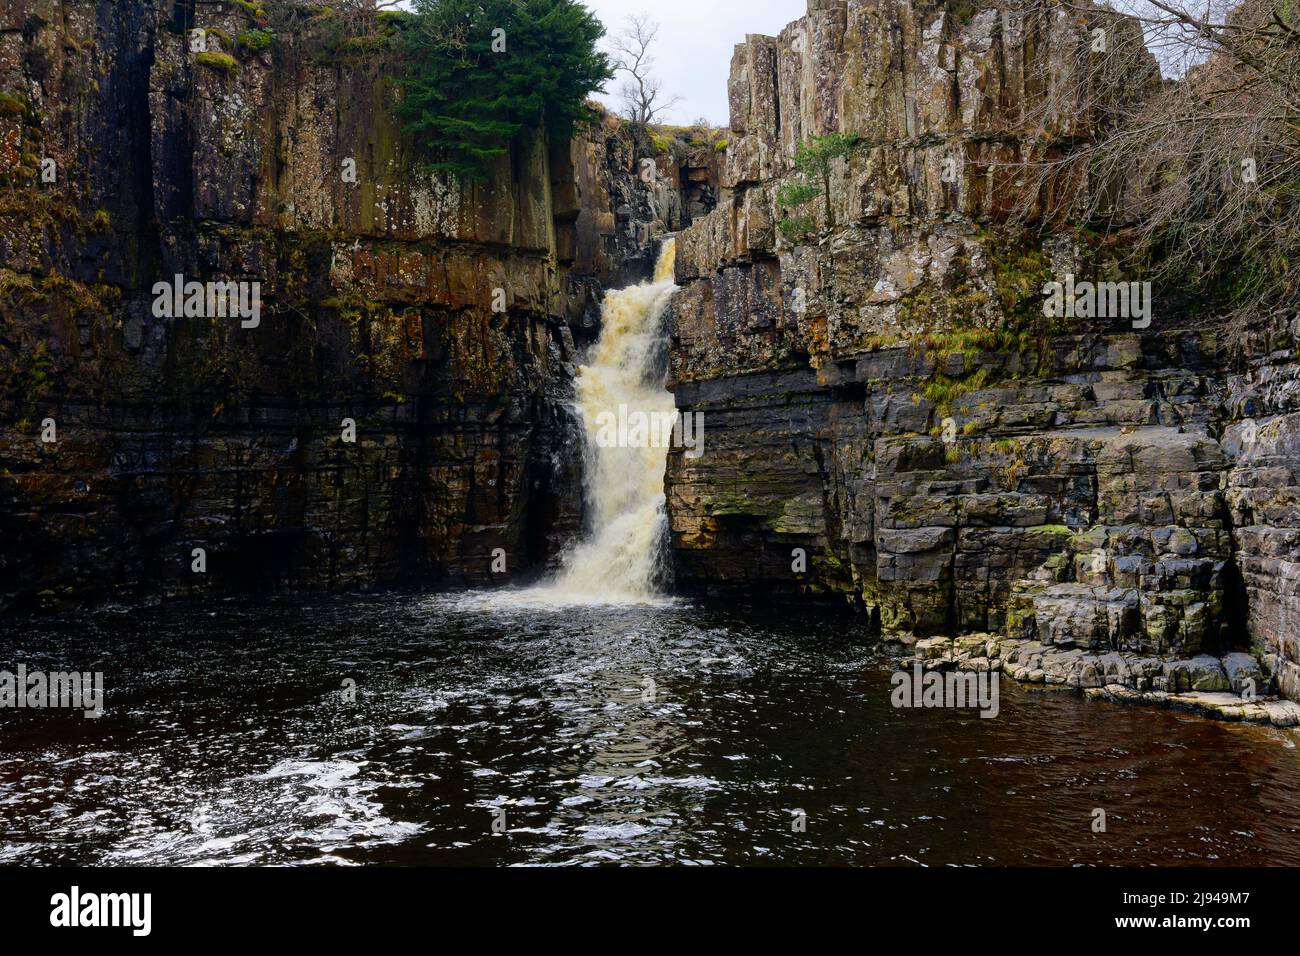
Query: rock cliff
887,417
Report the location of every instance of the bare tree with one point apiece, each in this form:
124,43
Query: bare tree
1199,175
644,100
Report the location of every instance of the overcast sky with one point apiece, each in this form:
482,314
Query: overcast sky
693,53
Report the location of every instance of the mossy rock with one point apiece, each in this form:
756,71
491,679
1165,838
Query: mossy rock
227,41
252,10
11,105
1090,539
942,391
222,62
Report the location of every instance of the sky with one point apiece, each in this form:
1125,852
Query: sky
693,52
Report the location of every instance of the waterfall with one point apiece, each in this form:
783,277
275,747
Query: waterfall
620,558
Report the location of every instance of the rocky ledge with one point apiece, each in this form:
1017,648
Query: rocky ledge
1223,688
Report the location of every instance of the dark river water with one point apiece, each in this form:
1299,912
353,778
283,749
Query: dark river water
662,734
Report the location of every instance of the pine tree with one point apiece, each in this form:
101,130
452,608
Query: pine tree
482,72
813,158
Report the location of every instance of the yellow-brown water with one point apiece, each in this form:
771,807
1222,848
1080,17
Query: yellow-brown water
619,559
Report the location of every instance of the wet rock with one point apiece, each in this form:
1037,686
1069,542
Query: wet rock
1203,673
934,648
1216,705
1240,669
1090,615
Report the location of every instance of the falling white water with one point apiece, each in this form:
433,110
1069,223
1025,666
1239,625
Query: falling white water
618,560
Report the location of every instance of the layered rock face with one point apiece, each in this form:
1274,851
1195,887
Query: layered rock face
887,415
1261,436
441,320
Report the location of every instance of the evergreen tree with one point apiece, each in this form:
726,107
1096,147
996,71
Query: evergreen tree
813,158
481,72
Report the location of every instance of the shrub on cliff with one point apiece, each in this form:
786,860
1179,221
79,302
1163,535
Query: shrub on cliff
812,158
481,72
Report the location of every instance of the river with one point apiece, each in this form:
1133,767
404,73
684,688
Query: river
667,732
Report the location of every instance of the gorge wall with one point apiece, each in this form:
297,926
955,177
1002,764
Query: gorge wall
879,399
444,319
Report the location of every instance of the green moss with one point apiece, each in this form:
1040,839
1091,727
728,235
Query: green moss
16,289
1051,529
1089,539
1020,269
40,209
830,574
222,62
11,105
25,376
227,41
79,297
32,310
943,390
1009,320
973,342
252,10
721,145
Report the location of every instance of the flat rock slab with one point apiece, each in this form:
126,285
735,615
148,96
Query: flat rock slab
1216,704
1204,685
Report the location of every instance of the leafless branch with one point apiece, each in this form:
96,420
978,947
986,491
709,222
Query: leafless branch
644,100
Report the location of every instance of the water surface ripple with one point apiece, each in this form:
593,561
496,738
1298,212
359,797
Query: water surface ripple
667,733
